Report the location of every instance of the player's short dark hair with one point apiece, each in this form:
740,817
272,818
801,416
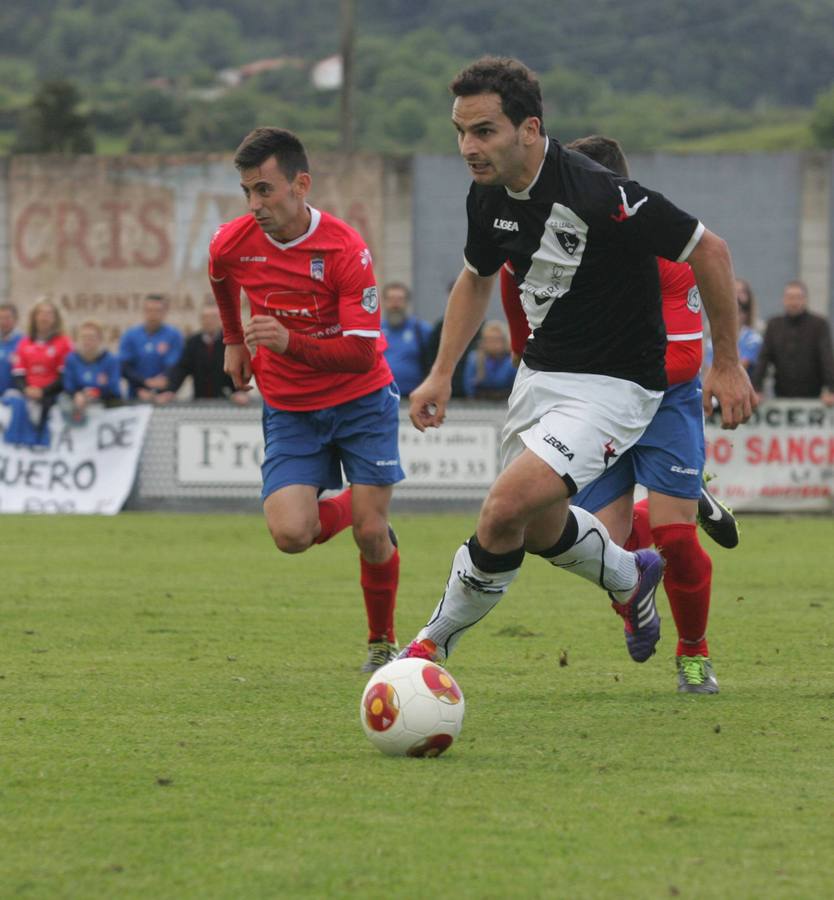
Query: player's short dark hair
256,148
797,282
604,150
158,298
515,84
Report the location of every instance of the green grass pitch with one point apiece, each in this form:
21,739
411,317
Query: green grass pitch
179,719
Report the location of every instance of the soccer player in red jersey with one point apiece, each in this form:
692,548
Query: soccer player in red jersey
668,459
313,344
38,362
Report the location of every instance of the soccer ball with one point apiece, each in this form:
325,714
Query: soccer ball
412,707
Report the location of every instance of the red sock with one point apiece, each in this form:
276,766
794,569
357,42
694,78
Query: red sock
641,534
335,514
687,580
379,584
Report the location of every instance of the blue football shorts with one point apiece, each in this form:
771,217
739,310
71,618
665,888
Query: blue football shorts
313,447
668,458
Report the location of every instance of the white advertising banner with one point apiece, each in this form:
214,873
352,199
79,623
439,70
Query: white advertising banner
86,468
231,454
451,456
219,453
782,460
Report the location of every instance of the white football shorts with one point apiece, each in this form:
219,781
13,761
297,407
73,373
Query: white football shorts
579,424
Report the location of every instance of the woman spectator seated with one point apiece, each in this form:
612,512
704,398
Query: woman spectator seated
490,372
38,365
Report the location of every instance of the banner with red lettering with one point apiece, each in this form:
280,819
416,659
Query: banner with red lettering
97,234
782,460
86,468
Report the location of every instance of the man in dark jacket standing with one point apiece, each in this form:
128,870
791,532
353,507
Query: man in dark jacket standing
202,361
798,347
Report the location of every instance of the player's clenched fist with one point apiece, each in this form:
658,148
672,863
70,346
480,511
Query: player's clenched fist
266,331
427,402
237,364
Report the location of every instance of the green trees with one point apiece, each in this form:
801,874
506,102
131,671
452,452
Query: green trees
53,124
822,120
658,75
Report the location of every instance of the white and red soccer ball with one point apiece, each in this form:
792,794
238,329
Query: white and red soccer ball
412,707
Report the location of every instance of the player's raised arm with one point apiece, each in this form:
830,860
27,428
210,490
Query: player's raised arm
727,379
465,310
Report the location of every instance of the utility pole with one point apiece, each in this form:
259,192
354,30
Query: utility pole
348,13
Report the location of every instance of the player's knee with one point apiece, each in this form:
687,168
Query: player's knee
371,536
502,510
289,539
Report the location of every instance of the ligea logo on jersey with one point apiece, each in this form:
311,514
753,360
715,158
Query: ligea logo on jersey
626,211
505,225
561,447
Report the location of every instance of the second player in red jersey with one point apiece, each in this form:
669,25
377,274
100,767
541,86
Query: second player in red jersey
320,287
313,345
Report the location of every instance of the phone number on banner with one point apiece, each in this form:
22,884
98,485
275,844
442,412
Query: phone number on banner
453,455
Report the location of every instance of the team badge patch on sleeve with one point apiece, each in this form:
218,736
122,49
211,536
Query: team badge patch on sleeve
370,300
693,299
317,269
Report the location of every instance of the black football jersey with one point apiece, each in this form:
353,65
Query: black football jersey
582,243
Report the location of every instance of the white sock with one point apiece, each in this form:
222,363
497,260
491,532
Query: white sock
470,594
595,557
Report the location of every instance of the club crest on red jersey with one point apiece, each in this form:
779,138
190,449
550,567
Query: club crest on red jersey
317,269
693,299
370,300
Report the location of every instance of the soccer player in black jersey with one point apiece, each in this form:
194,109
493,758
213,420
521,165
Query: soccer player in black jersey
582,241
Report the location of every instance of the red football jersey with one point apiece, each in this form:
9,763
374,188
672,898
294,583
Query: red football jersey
321,285
41,362
682,317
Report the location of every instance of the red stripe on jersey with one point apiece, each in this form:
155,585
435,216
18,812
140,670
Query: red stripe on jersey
681,300
511,301
320,286
682,316
683,360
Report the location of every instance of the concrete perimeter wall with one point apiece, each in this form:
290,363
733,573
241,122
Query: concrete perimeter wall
97,233
774,210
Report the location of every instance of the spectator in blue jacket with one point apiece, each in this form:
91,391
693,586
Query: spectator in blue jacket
148,351
91,372
9,339
407,337
490,372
